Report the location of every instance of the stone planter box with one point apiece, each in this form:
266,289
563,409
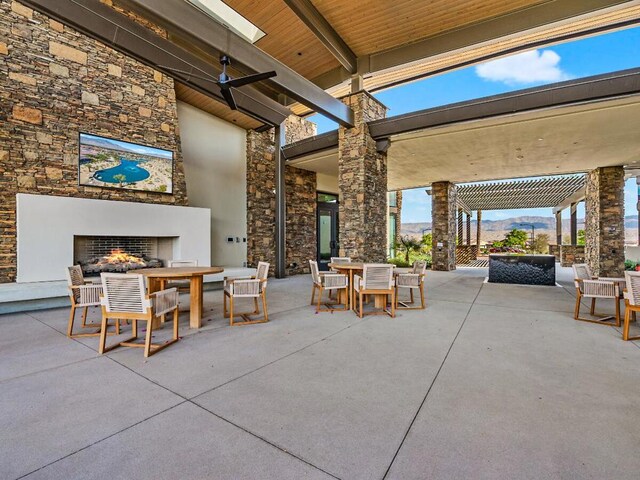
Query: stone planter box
522,269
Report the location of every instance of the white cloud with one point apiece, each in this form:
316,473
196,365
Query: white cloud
526,67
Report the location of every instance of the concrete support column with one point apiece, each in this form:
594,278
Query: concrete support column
460,226
559,228
468,229
362,181
604,223
574,224
443,223
478,228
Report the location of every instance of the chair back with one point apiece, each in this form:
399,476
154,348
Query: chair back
377,276
262,271
182,263
315,273
581,271
419,267
633,287
340,260
124,292
75,278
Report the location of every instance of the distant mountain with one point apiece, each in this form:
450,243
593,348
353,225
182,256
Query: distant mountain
106,143
496,229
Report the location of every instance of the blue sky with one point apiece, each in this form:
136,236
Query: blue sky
582,58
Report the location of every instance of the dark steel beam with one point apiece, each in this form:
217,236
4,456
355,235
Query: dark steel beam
322,29
197,25
281,204
546,13
104,24
325,141
529,18
599,87
574,224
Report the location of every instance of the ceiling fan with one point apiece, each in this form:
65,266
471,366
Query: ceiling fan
225,82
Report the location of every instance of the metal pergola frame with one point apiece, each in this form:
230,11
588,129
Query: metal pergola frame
547,192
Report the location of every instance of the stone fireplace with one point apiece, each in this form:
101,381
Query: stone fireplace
105,253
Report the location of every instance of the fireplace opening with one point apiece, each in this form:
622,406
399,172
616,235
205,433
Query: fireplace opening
97,254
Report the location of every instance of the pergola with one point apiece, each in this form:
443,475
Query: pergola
558,193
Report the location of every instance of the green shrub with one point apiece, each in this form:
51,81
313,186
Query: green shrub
630,265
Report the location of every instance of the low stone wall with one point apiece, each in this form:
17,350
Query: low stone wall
570,254
555,251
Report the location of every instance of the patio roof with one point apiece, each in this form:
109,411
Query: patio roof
535,193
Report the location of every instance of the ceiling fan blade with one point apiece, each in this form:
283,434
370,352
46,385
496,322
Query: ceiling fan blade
238,82
191,75
228,96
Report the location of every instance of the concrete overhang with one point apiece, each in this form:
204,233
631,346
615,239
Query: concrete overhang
569,127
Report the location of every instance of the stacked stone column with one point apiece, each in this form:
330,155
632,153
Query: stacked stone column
443,225
362,181
261,200
604,222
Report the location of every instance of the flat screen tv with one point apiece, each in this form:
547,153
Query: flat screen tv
109,163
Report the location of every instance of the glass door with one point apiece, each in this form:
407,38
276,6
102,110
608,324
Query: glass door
327,229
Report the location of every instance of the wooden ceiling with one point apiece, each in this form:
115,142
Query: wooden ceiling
372,27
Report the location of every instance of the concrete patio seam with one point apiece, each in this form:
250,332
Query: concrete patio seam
101,440
51,369
267,441
433,381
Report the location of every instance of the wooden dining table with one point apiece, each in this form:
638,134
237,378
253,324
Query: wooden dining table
156,277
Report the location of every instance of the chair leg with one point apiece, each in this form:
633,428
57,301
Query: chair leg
576,312
176,323
313,293
411,295
72,315
617,312
393,303
147,340
224,304
593,306
395,297
103,335
625,329
319,299
231,311
84,316
256,310
422,295
134,329
360,301
264,307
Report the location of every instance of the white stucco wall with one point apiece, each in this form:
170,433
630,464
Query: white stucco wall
327,183
214,153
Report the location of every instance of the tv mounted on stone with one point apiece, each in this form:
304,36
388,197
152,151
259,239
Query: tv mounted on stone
110,163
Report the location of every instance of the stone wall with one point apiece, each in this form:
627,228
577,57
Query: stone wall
55,83
261,198
570,254
362,182
443,213
604,221
301,245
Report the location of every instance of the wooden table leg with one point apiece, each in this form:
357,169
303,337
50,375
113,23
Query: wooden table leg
381,301
352,291
195,310
154,286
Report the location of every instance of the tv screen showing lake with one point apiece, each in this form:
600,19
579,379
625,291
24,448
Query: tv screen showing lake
105,162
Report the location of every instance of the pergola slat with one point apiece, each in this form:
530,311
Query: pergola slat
534,193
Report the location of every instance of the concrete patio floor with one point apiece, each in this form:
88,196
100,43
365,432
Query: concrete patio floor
489,382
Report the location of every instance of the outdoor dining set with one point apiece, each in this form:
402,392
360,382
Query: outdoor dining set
150,295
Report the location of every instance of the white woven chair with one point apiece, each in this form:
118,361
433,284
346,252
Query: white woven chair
332,282
125,297
377,279
588,286
413,280
247,287
335,260
631,302
83,294
183,286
